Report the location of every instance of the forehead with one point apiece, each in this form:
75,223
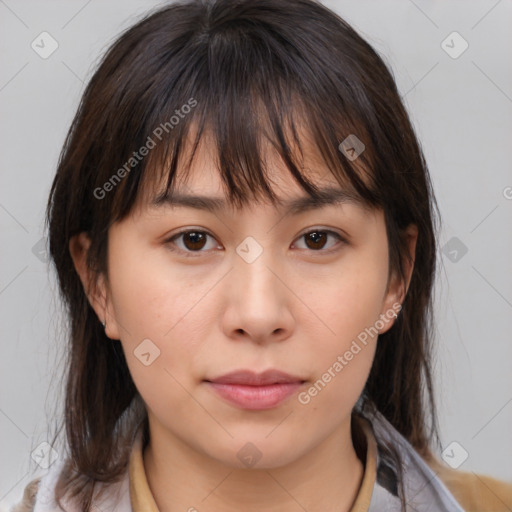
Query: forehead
201,178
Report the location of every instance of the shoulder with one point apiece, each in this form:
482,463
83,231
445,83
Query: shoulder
474,492
40,494
28,500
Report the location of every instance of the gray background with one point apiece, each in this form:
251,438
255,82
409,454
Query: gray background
461,109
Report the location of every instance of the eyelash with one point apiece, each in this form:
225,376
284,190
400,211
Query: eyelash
192,254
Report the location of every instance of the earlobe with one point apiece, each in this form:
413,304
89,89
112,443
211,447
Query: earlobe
399,284
393,303
94,287
403,281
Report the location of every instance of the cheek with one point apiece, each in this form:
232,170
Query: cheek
341,366
353,301
164,312
151,297
349,305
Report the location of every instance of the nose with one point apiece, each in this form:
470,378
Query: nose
258,301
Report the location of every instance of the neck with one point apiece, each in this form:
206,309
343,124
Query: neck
326,479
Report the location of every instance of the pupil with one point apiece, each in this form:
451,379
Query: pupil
196,240
318,239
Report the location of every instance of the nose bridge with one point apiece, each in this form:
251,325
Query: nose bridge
252,270
258,304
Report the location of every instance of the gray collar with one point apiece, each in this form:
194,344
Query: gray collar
423,489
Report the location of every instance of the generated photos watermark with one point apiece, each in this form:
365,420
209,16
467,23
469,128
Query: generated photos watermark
144,150
342,361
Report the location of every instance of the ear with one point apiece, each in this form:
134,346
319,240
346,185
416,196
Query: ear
95,286
398,285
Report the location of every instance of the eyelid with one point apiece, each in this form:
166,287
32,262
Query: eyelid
334,231
342,238
169,241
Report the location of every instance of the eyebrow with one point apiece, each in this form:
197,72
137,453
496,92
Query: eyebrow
328,196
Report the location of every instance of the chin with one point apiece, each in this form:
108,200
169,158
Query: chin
257,451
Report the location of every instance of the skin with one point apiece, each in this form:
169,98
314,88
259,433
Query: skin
295,308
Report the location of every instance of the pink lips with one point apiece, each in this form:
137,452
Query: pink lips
249,390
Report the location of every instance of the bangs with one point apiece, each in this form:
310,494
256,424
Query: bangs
245,89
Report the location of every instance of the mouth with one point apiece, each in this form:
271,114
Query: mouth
252,391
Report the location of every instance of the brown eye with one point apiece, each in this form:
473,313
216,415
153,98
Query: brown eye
191,241
194,240
318,240
315,239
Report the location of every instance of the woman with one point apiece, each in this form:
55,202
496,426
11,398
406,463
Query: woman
242,223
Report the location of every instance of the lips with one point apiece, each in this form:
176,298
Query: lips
248,378
249,390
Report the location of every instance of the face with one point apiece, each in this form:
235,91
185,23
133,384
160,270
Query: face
194,295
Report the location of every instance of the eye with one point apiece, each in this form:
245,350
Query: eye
196,241
316,239
192,240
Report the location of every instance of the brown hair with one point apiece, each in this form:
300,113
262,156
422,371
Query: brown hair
290,62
